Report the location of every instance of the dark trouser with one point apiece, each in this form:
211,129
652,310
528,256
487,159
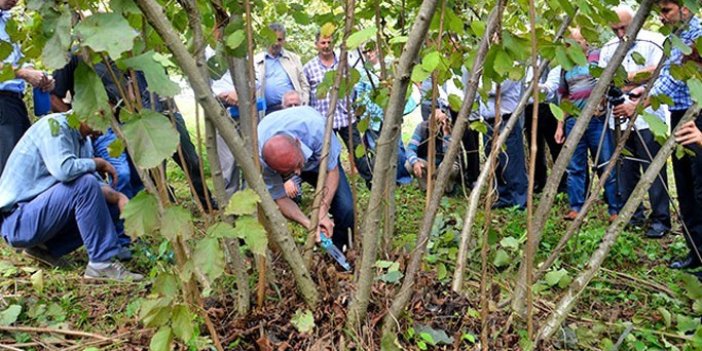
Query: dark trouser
511,171
63,218
370,138
545,135
362,163
688,180
631,169
14,121
469,153
273,108
192,162
341,207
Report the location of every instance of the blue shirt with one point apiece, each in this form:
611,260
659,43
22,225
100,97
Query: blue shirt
12,85
677,90
42,159
305,124
277,81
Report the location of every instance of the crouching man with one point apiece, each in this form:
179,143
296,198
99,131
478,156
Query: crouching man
290,142
52,200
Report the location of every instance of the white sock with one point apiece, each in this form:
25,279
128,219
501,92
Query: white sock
98,265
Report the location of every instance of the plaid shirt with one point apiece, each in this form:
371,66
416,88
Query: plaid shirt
677,90
314,71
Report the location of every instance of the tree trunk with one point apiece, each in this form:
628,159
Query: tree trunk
567,302
216,113
387,147
549,194
405,292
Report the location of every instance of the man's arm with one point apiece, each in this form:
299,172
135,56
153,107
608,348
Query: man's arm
292,211
331,183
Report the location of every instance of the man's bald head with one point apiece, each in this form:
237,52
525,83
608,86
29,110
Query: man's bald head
283,154
625,14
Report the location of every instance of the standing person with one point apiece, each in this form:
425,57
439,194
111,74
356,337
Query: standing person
511,173
52,201
290,142
575,88
279,71
344,120
687,169
14,119
546,129
641,144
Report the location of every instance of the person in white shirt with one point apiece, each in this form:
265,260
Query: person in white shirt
641,144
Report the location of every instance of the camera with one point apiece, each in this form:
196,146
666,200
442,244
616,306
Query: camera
615,96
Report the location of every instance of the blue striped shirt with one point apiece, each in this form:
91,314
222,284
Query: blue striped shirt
12,85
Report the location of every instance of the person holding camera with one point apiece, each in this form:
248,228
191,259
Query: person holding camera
642,144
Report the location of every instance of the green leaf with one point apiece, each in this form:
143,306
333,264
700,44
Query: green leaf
253,233
7,73
125,6
54,127
166,285
695,86
141,215
55,54
667,317
108,32
503,62
161,341
267,36
358,38
38,281
419,74
501,258
686,324
10,315
209,258
557,112
327,30
398,40
433,336
554,277
509,242
235,39
243,202
152,138
428,338
441,271
431,61
156,312
182,322
638,58
693,287
478,28
577,55
658,127
177,223
479,126
680,45
221,230
562,58
155,73
5,49
115,148
455,102
303,321
392,276
383,264
91,103
360,151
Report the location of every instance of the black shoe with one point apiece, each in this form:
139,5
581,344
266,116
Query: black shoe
689,262
654,233
42,255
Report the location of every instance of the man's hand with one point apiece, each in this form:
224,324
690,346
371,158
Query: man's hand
36,78
104,168
418,169
626,109
689,134
326,226
230,98
291,188
122,202
560,134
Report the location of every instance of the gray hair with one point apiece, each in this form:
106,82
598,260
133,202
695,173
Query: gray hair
289,94
625,9
277,27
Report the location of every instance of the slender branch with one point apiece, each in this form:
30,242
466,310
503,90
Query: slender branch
431,159
54,331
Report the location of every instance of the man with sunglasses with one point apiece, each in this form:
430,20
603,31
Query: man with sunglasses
640,61
290,143
687,169
279,71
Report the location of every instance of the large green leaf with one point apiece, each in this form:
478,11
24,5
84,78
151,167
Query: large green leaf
56,51
253,233
431,61
141,214
155,73
161,341
91,103
695,86
303,321
176,222
10,315
503,62
221,230
358,38
108,32
155,312
209,258
167,285
151,138
658,127
182,322
243,203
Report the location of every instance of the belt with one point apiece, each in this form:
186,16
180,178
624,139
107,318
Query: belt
11,94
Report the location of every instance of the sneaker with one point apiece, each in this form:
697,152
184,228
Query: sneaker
124,254
41,255
655,233
113,271
571,215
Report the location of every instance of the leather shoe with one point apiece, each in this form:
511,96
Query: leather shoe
688,263
571,215
654,233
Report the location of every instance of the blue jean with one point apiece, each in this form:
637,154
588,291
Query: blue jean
128,181
341,207
402,177
577,168
511,173
63,218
